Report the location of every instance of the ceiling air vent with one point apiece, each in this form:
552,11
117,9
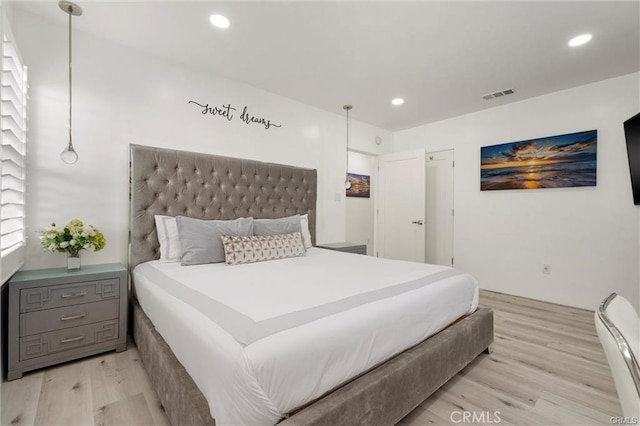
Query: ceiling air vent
497,94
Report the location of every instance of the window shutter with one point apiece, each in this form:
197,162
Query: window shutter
13,143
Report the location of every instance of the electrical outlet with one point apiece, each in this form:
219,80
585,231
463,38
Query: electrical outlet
546,269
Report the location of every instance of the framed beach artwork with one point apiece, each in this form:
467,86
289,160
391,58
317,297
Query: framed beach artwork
552,162
359,185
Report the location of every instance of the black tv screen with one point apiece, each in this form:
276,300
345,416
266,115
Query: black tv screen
632,133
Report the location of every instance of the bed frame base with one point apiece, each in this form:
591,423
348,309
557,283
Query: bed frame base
383,396
391,391
180,397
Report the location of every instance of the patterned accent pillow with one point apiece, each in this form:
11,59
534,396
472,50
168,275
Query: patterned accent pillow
255,248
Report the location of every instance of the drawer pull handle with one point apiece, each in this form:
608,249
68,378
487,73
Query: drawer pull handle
72,339
82,315
79,294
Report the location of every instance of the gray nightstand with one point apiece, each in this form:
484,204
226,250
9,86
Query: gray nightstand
345,247
56,315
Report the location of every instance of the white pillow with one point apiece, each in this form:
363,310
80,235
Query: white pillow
306,235
167,227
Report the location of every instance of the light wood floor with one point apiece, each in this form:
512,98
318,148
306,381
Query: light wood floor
547,368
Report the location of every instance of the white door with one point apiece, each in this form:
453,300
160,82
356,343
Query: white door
401,206
440,214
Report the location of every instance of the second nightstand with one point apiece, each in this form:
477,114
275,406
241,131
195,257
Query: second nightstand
345,247
56,315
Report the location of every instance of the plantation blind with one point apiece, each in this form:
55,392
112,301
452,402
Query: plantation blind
13,122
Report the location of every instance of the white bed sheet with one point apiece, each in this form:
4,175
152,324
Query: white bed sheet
260,382
253,301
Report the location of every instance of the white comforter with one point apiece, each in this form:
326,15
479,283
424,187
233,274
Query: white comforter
343,314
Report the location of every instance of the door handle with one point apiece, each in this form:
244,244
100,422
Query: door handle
418,222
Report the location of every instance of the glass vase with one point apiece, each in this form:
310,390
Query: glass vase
73,261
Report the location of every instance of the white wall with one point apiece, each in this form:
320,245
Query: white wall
589,236
122,97
360,215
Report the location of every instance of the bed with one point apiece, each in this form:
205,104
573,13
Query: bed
381,391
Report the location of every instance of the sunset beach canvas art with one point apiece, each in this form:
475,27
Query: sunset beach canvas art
359,185
550,162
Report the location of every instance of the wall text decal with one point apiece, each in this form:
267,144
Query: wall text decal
227,111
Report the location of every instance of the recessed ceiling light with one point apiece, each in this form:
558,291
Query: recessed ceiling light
397,101
579,40
219,21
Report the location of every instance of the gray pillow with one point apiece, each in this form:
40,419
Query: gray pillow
201,240
284,225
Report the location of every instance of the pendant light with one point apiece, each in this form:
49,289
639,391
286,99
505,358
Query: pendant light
347,182
69,155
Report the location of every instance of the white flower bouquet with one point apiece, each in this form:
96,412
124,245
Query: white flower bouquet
75,236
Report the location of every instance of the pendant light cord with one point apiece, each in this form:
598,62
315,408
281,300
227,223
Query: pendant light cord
70,86
347,108
347,141
69,155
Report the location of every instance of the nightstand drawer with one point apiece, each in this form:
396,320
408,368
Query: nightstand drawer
69,316
38,298
69,338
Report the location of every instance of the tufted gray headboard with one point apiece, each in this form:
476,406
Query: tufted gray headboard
179,183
